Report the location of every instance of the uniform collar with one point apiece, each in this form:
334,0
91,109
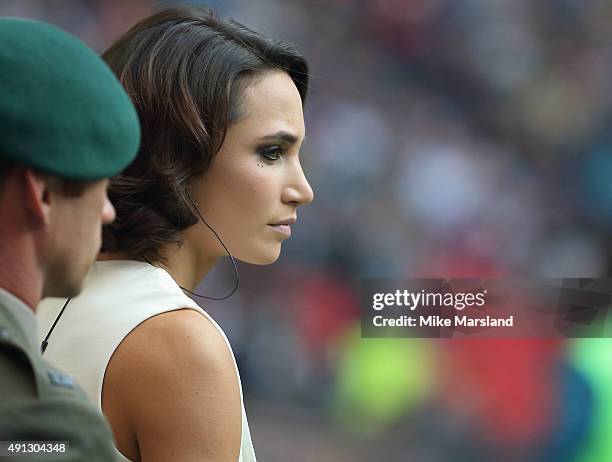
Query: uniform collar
23,316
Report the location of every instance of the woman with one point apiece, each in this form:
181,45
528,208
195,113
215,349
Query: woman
222,123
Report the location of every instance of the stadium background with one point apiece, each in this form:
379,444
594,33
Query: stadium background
445,138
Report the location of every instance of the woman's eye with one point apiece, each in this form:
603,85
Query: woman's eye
271,153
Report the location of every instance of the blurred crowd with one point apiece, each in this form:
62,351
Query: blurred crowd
450,138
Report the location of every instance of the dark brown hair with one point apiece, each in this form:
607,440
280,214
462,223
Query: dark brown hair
185,69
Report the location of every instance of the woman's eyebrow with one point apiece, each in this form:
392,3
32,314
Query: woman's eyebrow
283,136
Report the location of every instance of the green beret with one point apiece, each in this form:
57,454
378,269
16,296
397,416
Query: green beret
62,110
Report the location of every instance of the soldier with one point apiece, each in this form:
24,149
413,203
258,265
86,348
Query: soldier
66,125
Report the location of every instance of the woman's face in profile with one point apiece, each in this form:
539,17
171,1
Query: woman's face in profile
255,181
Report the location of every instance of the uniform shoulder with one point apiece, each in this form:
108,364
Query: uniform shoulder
59,420
31,410
17,378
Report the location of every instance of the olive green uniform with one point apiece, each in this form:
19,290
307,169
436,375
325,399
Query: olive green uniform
39,403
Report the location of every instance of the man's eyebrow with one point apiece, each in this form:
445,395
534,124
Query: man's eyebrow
282,135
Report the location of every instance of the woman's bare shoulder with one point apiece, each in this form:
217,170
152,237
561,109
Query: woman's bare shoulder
172,386
186,330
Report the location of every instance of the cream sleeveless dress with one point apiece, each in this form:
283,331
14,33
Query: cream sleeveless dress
117,296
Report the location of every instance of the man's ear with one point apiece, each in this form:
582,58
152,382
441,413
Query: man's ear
37,194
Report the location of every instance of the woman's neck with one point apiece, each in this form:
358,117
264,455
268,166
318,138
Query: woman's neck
185,265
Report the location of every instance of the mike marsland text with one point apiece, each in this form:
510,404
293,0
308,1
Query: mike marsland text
439,321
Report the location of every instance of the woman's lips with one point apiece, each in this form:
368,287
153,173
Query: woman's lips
284,229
